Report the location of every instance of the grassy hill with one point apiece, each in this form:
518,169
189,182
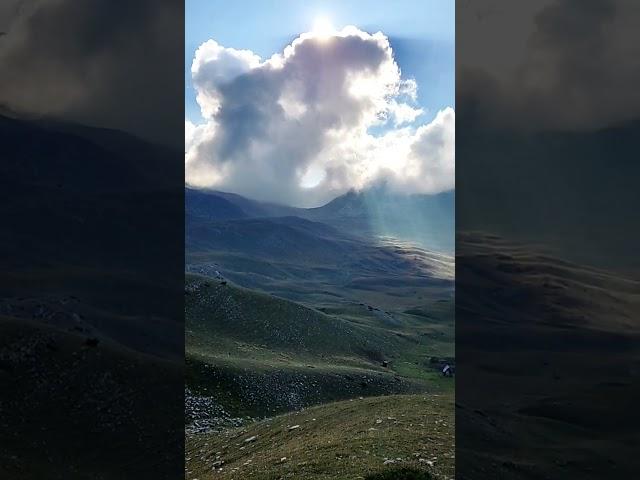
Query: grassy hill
91,332
61,394
389,437
257,354
313,263
293,312
220,313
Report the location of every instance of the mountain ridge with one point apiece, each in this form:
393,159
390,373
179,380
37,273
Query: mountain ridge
427,220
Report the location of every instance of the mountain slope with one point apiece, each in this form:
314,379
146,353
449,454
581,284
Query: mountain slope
84,159
576,190
426,220
294,309
218,312
204,206
62,395
256,354
347,440
88,208
307,260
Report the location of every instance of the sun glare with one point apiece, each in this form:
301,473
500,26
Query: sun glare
322,27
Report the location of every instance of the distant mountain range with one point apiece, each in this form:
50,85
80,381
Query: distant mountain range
424,220
371,241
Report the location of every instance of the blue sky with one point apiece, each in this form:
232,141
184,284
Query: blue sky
422,35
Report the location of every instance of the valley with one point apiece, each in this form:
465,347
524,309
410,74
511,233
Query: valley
286,315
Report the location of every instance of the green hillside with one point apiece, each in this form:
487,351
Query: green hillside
226,315
258,355
395,437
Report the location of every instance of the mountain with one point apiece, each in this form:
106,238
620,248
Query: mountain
284,311
330,251
573,191
207,206
425,220
226,206
292,310
89,209
91,312
75,158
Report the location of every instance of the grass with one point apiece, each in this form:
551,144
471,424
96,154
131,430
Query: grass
303,344
341,440
385,275
259,355
216,311
73,411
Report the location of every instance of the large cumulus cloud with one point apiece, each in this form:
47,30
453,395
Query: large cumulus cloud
297,127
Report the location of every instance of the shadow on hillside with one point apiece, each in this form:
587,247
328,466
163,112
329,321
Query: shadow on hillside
400,474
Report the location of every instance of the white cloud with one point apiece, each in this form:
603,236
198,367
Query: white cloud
295,128
213,66
404,113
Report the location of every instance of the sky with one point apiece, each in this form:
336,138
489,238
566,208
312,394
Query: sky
323,116
422,35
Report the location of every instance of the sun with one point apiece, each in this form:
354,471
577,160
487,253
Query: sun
322,27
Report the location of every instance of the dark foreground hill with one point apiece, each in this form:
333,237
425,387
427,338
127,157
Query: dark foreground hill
87,208
91,330
64,393
571,394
